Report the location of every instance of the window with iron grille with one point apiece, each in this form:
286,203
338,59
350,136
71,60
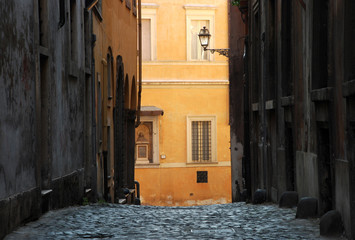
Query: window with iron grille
202,177
201,141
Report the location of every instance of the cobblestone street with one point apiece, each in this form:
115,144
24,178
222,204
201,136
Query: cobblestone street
229,221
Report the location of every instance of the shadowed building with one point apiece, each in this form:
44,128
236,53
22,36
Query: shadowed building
115,94
300,102
58,98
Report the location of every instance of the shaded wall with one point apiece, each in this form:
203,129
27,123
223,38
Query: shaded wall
237,37
115,96
301,85
43,90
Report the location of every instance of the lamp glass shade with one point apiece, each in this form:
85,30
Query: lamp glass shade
204,37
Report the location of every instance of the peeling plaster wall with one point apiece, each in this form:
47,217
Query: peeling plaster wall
17,98
66,101
42,90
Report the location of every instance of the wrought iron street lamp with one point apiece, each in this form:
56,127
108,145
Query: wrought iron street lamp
204,36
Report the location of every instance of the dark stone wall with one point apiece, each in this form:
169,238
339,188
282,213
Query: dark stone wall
17,99
44,83
67,190
301,87
19,209
237,37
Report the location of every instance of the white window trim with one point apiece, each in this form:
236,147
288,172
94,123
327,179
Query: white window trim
213,119
155,145
199,13
149,11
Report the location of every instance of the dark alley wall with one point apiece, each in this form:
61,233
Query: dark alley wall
237,37
42,85
17,114
301,100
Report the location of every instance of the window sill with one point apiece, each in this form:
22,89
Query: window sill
183,62
149,165
287,101
202,163
349,88
255,107
322,94
270,104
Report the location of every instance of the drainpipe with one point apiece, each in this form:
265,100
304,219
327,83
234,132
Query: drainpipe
139,62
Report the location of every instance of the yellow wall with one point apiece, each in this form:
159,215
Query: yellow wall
178,103
182,88
171,27
171,62
178,187
115,29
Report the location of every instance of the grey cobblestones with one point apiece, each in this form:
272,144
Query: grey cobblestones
229,221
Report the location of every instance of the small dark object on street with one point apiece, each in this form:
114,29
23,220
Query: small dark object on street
289,199
125,191
137,201
259,196
307,208
331,224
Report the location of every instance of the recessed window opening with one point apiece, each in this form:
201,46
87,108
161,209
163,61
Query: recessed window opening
201,141
73,30
43,22
197,52
202,177
147,41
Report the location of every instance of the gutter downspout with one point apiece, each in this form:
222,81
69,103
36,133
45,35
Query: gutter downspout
138,122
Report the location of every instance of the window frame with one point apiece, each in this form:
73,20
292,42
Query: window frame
213,120
155,145
149,11
200,13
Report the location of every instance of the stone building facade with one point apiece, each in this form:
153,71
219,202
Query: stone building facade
184,156
48,118
115,94
299,86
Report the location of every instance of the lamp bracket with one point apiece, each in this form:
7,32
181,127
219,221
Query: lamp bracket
221,51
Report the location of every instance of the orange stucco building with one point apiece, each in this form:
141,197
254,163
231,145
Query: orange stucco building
182,144
115,63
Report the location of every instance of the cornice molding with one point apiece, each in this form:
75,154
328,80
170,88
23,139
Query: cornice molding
199,7
186,82
150,5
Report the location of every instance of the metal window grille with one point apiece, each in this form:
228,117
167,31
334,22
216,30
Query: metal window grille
201,141
202,177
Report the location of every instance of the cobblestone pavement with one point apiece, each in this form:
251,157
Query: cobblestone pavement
228,221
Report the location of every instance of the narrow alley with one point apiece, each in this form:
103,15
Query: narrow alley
225,221
160,119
